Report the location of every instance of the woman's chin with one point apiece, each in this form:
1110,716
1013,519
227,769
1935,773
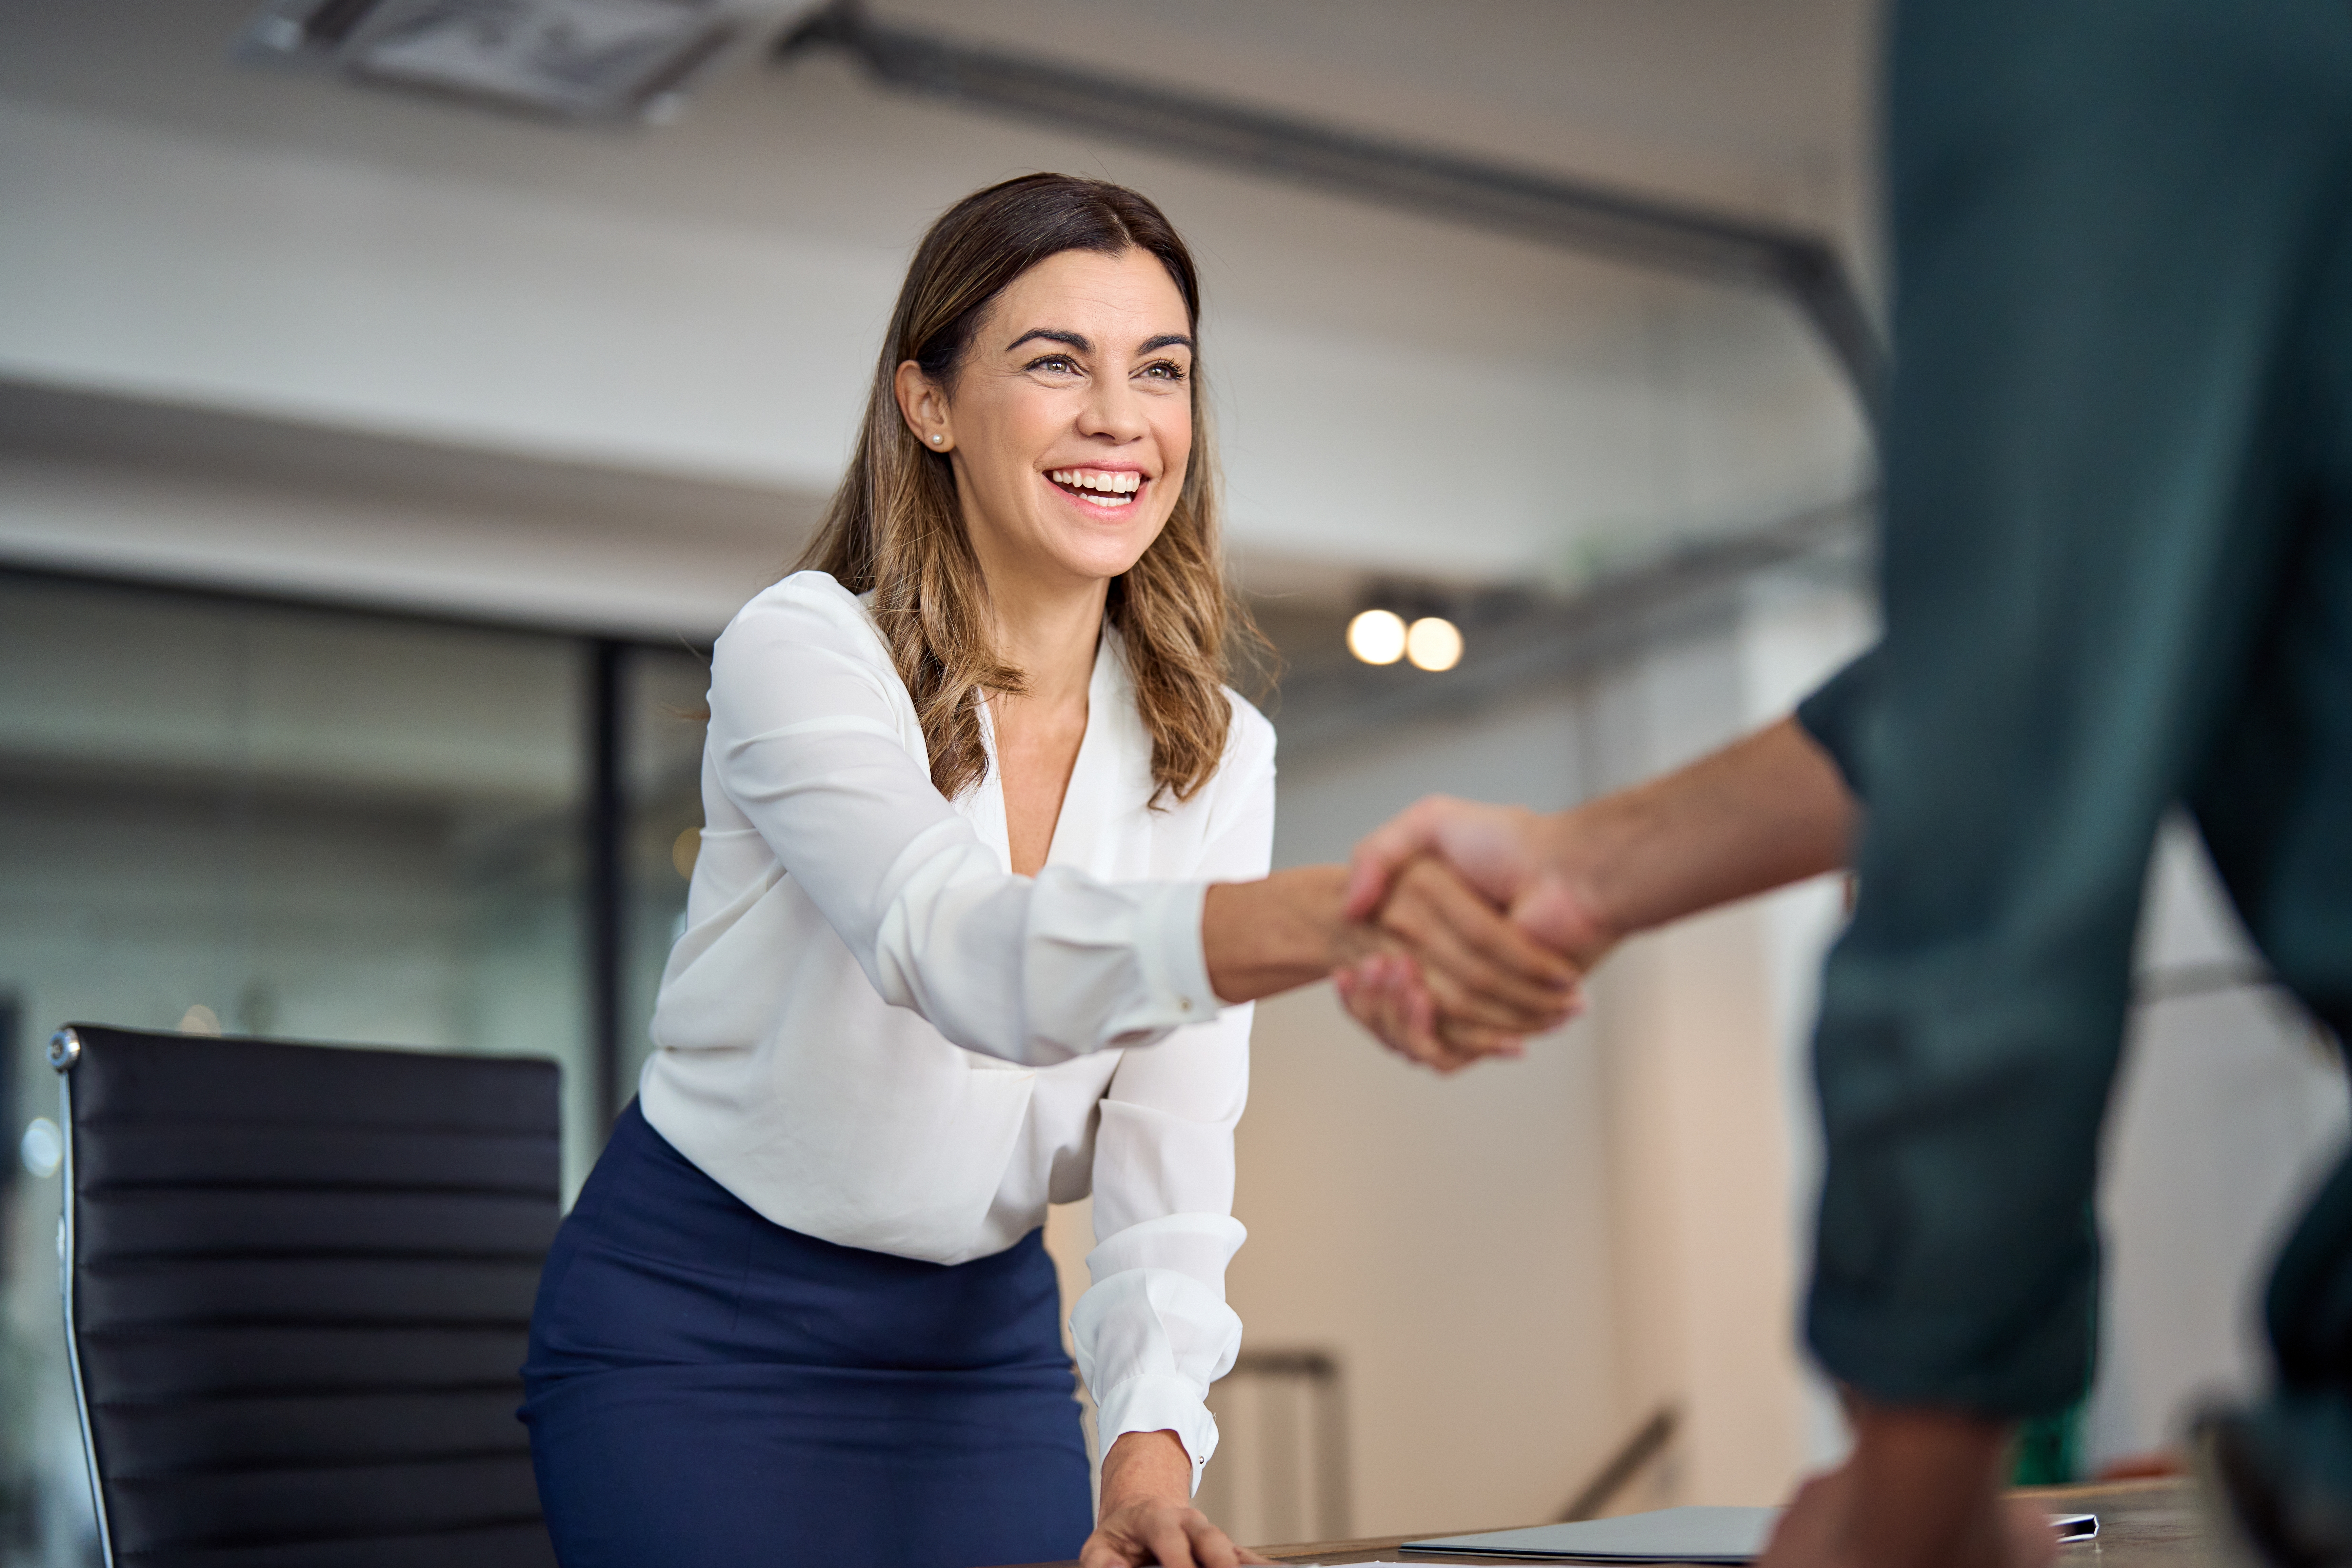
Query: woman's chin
1100,560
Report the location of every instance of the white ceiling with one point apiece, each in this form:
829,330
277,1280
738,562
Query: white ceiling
1399,394
1757,105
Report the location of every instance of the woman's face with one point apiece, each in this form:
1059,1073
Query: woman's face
1070,421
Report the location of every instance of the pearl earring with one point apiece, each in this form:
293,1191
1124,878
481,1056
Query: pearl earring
937,438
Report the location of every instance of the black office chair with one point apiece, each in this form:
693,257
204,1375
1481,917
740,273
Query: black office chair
298,1283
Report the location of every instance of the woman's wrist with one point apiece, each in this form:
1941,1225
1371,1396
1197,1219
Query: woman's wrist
1283,931
1145,1467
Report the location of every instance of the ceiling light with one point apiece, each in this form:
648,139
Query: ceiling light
1376,636
579,59
1432,643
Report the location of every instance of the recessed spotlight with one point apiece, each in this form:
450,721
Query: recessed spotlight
1433,643
1376,636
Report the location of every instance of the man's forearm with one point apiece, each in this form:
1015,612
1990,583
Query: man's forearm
1760,813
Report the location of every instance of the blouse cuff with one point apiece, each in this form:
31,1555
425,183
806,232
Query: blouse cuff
1175,962
1111,965
1158,1402
1154,1332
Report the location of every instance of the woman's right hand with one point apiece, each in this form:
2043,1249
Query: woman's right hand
1442,975
1437,972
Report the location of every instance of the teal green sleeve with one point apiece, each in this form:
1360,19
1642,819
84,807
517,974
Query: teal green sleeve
1836,712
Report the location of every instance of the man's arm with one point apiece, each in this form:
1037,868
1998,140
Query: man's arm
1762,812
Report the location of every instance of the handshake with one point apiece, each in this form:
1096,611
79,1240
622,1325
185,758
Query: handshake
1469,927
1459,929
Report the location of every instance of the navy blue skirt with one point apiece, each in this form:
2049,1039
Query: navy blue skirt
706,1389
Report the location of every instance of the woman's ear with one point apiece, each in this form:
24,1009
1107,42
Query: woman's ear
924,407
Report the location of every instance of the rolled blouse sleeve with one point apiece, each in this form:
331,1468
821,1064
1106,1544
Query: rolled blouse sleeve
1153,1330
817,743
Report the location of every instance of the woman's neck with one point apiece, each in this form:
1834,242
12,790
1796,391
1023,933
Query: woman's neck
1050,638
1049,634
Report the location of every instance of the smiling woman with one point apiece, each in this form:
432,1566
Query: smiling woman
982,878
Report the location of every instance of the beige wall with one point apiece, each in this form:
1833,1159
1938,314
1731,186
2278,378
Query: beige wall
1700,1152
1450,1242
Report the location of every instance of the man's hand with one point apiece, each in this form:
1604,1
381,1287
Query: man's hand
1520,862
1763,811
1922,1489
1147,1514
1512,859
1441,977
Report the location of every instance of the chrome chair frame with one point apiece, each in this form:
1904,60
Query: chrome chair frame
65,1050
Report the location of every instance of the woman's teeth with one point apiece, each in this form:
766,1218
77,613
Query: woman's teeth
1102,487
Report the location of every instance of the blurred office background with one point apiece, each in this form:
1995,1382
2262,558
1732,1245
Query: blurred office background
375,467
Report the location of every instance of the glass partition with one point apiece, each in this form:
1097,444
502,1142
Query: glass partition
662,693
222,816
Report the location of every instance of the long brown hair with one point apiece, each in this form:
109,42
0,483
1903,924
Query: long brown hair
894,527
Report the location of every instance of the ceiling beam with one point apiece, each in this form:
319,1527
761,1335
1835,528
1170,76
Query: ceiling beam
1802,266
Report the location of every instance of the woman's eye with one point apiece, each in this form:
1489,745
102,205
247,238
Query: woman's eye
1061,364
1164,370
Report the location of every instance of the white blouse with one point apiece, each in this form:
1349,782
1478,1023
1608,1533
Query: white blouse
872,1032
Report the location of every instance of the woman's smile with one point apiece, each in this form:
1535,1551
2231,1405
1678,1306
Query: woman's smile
1100,491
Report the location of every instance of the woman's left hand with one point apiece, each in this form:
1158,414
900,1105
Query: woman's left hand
1147,1514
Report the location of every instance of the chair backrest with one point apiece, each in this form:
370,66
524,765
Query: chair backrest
298,1287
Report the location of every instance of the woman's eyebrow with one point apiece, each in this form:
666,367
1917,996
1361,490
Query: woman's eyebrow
1084,345
1077,340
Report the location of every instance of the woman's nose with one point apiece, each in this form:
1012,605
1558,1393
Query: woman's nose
1114,411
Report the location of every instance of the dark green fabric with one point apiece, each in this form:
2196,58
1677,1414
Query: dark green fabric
1835,716
2117,573
2049,1450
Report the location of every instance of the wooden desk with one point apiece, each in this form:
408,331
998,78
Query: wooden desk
2142,1524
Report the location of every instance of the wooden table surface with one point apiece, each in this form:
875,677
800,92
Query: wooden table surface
2142,1524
